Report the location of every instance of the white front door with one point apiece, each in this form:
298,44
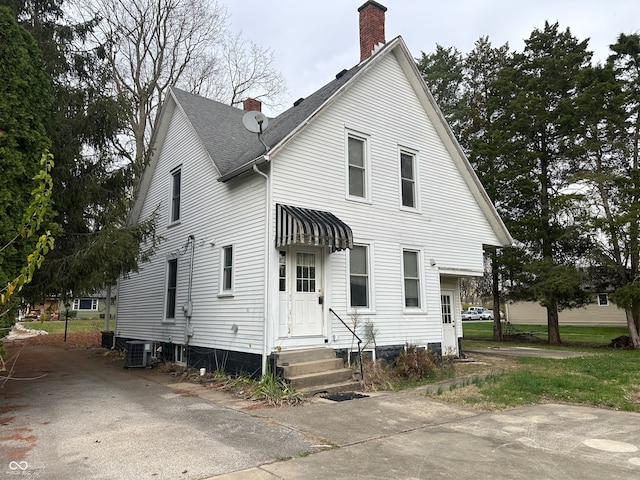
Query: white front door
306,297
449,334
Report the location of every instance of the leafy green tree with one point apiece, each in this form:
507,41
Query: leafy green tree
25,99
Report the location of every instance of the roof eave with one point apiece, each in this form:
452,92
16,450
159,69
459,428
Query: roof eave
262,159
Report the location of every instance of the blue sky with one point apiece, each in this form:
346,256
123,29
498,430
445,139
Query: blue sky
314,39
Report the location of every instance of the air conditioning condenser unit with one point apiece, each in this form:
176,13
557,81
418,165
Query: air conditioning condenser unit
138,353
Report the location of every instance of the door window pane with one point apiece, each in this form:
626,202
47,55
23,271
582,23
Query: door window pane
305,272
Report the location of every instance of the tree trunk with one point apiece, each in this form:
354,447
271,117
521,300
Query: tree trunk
553,335
497,324
633,331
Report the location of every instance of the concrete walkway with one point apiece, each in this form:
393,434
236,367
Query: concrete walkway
80,415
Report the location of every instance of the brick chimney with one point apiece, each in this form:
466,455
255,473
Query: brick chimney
371,27
251,104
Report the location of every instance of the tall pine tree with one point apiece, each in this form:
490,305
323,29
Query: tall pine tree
92,184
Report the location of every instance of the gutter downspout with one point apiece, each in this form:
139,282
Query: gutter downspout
188,307
267,263
115,320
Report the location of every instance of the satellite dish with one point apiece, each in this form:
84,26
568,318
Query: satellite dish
255,122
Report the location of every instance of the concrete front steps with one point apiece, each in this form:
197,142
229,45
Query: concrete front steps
315,370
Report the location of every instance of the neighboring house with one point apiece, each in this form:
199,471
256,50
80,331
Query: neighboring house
352,200
89,306
601,312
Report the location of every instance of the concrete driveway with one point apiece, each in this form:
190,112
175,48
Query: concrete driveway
87,418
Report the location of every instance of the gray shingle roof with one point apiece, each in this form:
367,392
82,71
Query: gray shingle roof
222,133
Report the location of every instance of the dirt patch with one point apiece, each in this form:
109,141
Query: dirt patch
184,393
18,442
77,340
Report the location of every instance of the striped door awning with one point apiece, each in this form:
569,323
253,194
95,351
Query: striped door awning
303,226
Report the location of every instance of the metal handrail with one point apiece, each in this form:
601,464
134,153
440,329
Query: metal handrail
359,342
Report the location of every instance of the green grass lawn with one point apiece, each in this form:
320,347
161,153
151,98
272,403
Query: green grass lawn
590,336
75,325
609,380
604,377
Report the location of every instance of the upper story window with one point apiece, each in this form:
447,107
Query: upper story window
411,275
172,284
358,167
359,276
603,299
408,190
227,269
176,180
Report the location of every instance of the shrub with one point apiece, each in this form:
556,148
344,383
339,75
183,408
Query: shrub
415,362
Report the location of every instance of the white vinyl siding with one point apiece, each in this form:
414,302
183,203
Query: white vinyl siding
445,205
216,214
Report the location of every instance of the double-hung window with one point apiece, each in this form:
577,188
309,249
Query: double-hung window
227,270
411,275
408,190
172,284
359,276
357,167
176,180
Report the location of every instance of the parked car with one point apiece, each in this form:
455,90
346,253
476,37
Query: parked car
487,314
471,315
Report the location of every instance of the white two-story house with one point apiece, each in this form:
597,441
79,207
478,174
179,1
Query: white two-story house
352,201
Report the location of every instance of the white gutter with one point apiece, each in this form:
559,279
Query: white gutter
267,263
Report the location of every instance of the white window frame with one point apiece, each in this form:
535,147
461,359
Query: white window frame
370,281
180,354
366,150
166,291
76,304
416,185
420,308
176,171
227,292
606,297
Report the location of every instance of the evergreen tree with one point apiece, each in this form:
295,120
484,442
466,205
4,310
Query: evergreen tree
25,100
540,127
91,183
609,171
